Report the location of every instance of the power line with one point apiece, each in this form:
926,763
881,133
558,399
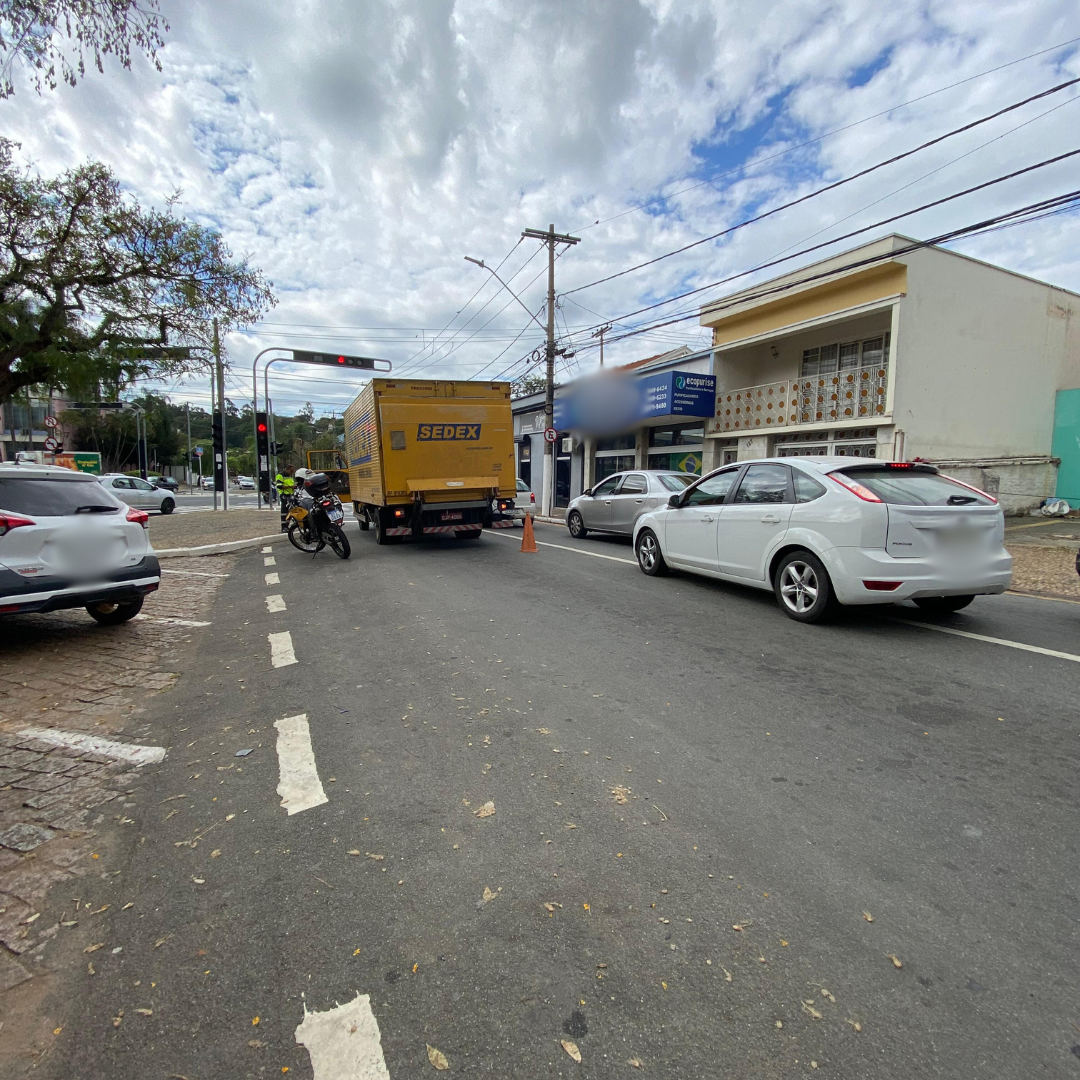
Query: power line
825,135
831,187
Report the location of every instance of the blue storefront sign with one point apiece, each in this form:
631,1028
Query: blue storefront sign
612,403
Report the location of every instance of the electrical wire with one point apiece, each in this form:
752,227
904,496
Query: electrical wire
830,187
825,135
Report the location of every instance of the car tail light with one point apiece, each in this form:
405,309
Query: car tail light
13,521
882,586
532,497
855,487
141,516
971,487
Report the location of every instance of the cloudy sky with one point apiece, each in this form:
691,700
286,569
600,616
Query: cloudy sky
357,150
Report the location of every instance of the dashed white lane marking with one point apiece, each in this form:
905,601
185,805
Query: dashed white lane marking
992,640
95,744
169,620
298,779
194,573
576,551
281,649
344,1042
269,561
275,603
272,579
266,550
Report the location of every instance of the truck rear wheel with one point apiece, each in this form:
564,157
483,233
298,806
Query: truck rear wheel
380,531
361,515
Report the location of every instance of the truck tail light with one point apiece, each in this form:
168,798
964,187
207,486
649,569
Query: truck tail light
140,516
855,487
13,521
399,513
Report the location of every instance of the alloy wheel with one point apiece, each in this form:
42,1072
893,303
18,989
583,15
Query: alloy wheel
647,551
799,586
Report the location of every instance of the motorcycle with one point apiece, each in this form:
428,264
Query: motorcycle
314,519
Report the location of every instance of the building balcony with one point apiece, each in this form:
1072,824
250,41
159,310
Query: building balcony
850,395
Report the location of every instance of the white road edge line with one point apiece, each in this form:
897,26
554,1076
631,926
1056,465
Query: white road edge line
272,579
298,779
344,1042
194,573
266,550
172,621
95,744
576,551
281,649
269,560
992,640
275,603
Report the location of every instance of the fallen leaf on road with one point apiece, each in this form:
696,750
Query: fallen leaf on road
634,1063
437,1058
543,731
571,1049
129,904
825,994
372,855
736,926
116,1020
727,975
90,969
810,1011
215,853
171,813
895,960
229,817
69,923
161,941
867,916
33,918
171,798
552,907
486,810
94,948
779,1023
353,852
254,1021
855,1024
145,1012
620,793
601,965
198,880
256,1044
489,895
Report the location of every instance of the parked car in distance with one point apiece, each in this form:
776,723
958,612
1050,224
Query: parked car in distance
825,531
166,483
245,483
524,502
616,502
137,492
66,542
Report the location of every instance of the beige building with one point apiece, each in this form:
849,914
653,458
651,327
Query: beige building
899,352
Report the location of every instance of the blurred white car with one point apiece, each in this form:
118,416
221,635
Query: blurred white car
137,492
245,483
825,531
66,542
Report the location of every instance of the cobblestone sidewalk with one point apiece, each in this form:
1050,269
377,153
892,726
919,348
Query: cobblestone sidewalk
207,527
1048,571
66,673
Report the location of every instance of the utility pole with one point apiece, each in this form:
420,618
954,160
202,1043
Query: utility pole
220,373
600,334
187,464
551,238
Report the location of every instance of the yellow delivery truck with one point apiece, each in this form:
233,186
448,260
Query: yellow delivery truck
430,457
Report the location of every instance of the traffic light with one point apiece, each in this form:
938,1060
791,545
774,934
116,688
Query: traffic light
262,450
218,427
367,363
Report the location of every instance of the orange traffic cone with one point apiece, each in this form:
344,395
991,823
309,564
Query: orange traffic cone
528,541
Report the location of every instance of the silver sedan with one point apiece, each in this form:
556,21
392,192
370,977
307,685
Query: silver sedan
615,504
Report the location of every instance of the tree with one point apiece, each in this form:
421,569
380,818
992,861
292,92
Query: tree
528,384
30,29
94,289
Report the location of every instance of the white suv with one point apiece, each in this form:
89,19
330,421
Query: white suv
66,542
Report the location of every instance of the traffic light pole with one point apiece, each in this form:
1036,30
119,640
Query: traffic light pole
220,371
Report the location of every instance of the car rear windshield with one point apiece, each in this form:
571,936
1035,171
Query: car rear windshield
54,496
912,487
676,483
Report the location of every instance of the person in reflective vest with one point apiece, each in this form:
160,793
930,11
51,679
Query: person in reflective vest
286,488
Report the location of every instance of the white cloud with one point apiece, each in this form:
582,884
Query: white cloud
356,151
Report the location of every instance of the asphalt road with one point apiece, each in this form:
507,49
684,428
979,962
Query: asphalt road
204,500
713,800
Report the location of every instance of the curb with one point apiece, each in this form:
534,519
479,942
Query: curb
218,549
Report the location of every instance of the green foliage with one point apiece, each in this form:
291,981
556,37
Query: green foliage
30,31
528,384
95,290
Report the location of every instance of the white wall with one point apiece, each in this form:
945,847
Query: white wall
979,357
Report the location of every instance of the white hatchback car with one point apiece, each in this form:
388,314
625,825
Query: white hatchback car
65,542
137,492
827,531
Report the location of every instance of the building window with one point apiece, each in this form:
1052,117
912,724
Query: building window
678,449
607,464
683,435
729,450
846,356
848,442
620,442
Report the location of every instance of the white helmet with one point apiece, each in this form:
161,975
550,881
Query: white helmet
303,474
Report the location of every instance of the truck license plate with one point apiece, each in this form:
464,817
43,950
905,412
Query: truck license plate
451,515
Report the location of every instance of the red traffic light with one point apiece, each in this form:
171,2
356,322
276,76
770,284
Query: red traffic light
262,428
341,359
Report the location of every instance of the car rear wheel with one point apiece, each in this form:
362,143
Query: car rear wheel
943,605
649,556
576,524
111,614
803,588
168,506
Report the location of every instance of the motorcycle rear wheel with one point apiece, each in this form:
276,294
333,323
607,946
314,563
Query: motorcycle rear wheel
338,541
296,538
